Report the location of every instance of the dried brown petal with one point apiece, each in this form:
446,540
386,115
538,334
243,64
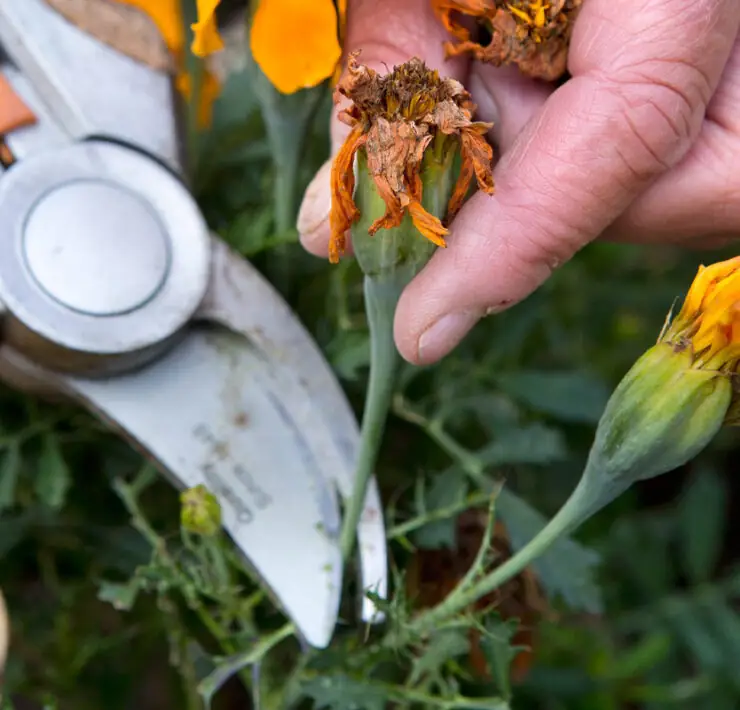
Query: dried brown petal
533,34
394,119
433,575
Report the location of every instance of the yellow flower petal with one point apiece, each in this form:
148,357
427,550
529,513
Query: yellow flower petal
206,38
295,42
710,316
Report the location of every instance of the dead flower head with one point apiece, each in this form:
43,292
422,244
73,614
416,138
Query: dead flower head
534,34
394,119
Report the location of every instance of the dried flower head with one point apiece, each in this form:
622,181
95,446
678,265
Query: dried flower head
534,34
394,119
709,321
434,574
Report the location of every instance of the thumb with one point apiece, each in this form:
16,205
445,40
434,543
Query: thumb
643,72
387,32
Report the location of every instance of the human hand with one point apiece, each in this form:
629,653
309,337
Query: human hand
640,145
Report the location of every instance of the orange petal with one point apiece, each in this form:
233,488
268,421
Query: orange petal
344,212
477,156
295,42
480,153
393,208
207,39
427,224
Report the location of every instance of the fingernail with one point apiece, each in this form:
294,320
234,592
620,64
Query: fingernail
316,203
445,333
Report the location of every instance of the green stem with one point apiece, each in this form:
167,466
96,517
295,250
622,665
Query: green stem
381,296
576,510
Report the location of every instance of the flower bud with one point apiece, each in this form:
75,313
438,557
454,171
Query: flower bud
674,400
200,512
663,413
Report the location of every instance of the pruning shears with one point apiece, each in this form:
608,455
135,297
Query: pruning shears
114,294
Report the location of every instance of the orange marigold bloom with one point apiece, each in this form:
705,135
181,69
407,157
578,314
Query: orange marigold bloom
295,42
534,34
394,119
709,321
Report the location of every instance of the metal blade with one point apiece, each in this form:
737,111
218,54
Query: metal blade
87,87
211,411
242,300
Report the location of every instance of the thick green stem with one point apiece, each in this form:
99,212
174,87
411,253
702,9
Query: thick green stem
381,296
583,502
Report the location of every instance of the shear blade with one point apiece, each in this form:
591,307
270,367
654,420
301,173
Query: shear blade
212,412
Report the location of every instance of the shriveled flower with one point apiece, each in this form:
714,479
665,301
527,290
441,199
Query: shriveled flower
394,119
433,575
709,321
534,34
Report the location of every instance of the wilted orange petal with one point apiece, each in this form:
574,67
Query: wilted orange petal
427,224
343,212
393,209
480,153
207,39
477,156
443,9
295,42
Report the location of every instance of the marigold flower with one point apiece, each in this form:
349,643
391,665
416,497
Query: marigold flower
295,42
534,34
395,118
709,321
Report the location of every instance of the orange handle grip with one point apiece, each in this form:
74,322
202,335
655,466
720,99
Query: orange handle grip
13,112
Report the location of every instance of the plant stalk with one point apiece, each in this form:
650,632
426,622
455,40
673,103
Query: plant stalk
579,507
382,292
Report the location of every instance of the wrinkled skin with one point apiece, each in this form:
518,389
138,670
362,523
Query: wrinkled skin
642,144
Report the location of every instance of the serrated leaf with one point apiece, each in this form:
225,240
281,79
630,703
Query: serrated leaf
10,469
571,396
339,692
53,477
567,568
496,646
703,521
444,646
445,490
533,444
119,596
349,354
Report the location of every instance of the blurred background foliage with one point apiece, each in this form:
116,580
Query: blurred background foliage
112,607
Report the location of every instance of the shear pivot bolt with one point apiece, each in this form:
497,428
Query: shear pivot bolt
96,248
